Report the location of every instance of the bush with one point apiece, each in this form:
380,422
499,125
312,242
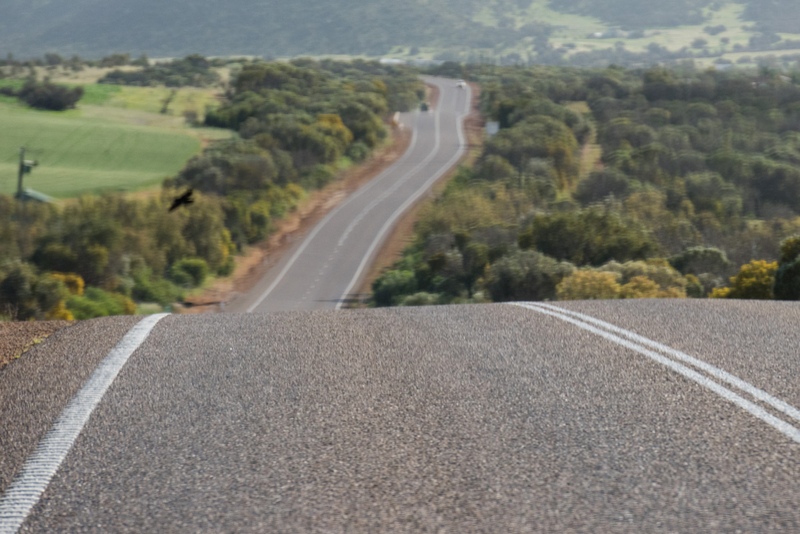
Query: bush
601,184
98,303
388,288
526,275
754,281
26,296
593,236
787,281
421,299
589,285
787,278
358,152
227,268
189,271
147,288
47,95
699,260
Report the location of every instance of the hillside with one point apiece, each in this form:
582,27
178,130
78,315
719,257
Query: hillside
509,30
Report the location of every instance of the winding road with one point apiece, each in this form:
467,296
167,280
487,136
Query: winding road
588,417
324,267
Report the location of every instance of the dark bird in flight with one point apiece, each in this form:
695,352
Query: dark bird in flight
185,198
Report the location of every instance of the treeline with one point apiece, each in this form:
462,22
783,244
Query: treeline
51,60
194,70
272,27
297,120
96,256
697,188
772,16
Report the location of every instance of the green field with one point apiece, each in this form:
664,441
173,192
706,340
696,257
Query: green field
78,154
116,139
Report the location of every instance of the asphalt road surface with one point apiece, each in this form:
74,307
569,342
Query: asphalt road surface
634,416
325,266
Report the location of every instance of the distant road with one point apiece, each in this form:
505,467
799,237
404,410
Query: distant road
586,417
325,266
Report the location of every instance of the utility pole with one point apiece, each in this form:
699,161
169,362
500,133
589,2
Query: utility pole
25,166
21,173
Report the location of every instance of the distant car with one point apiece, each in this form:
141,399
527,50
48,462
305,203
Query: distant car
461,84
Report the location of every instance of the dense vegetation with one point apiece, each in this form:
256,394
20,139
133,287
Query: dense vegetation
299,123
272,28
46,95
638,13
194,70
699,174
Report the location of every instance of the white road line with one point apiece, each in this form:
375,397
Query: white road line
42,465
398,183
328,217
716,372
755,410
410,201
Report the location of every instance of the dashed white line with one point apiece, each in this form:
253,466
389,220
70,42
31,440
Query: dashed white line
328,217
409,202
39,469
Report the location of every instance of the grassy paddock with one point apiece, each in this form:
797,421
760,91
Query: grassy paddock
79,154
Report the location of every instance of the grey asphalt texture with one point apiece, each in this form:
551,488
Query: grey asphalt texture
320,275
480,418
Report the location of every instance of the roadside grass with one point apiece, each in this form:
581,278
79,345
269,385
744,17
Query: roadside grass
78,154
148,308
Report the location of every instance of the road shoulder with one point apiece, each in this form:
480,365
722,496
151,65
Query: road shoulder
37,387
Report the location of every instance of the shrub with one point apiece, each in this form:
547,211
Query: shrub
699,260
593,236
787,281
48,96
387,288
601,184
754,281
189,271
589,285
72,281
147,288
421,299
98,303
25,296
227,268
358,152
787,278
526,275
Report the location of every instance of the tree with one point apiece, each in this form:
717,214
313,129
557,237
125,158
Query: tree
787,278
387,289
589,285
754,281
526,275
699,260
592,236
47,95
